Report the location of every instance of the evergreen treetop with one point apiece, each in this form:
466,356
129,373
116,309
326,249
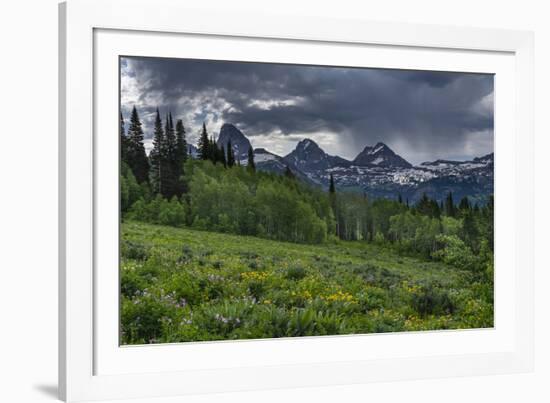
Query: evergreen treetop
251,165
158,155
136,156
450,209
181,141
204,144
331,188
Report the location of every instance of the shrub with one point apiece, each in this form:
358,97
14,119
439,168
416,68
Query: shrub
432,301
172,213
296,273
453,251
133,250
143,317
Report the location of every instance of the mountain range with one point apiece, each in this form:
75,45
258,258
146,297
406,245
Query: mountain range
376,171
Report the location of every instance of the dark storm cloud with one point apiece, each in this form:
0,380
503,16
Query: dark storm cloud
422,115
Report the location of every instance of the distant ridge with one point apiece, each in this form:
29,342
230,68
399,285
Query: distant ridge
376,171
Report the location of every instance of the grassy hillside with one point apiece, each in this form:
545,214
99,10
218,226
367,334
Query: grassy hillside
187,285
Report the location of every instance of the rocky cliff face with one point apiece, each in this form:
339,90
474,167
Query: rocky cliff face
239,142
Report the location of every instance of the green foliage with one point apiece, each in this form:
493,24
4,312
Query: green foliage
296,273
452,250
428,207
242,201
430,300
130,190
185,285
415,232
159,211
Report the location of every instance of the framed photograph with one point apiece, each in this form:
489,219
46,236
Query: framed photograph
244,207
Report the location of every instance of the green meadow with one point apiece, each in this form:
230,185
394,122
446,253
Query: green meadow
183,284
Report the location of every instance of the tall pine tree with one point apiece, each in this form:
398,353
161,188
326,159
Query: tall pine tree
464,204
450,208
428,207
333,204
251,166
136,156
222,156
213,150
181,157
181,141
204,144
331,188
158,156
170,178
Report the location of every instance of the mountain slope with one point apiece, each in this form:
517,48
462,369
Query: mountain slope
269,162
309,158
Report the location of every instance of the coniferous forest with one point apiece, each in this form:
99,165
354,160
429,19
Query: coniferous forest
213,249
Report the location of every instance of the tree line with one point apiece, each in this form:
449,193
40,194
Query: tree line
163,171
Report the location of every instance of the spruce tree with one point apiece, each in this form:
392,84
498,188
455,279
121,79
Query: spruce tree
171,176
331,188
181,142
251,165
333,203
470,231
212,150
464,204
136,156
170,136
428,207
204,144
399,199
158,156
180,157
450,209
222,157
220,154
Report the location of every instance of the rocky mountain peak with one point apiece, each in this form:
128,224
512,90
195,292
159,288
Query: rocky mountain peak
239,142
382,156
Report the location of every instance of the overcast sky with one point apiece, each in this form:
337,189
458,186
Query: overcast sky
421,115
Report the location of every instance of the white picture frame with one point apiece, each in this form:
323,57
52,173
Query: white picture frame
91,364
